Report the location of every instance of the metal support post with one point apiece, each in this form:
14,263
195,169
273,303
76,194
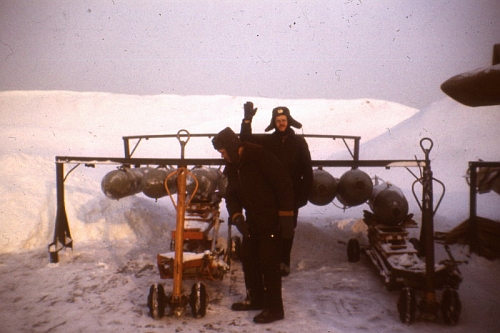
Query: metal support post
62,235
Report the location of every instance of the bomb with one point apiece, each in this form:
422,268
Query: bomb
324,188
208,180
123,182
388,204
153,182
354,188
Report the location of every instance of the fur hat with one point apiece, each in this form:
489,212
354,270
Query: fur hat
228,140
282,111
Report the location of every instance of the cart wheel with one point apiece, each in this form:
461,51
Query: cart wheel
407,305
353,250
451,306
157,301
198,300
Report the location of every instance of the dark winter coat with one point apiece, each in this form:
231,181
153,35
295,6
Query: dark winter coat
293,152
258,185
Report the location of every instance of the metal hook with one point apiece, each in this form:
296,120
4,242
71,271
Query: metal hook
426,150
183,143
186,134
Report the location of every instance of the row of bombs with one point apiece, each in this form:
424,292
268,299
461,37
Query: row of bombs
153,182
387,201
353,188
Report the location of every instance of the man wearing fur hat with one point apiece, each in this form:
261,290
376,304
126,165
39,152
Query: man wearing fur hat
293,152
257,185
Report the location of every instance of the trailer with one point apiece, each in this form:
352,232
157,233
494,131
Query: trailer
408,263
196,252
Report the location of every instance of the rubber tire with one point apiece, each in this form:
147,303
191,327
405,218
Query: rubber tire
157,301
353,250
198,300
407,305
451,307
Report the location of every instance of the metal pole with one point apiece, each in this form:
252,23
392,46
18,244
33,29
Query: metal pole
178,302
473,208
429,306
356,149
62,235
179,235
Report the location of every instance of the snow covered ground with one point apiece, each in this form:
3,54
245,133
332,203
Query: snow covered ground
102,285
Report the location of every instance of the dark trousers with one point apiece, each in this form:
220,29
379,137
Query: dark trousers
287,244
261,267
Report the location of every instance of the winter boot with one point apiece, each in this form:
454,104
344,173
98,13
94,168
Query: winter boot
251,302
268,316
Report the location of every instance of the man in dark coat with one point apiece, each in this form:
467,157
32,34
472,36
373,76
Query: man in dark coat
258,185
293,152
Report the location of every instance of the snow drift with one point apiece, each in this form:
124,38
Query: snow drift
101,286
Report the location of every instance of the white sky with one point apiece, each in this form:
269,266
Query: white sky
338,49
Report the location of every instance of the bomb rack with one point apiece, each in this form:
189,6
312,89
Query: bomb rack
62,238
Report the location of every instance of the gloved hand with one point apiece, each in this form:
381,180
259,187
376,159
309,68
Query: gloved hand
242,225
249,110
287,228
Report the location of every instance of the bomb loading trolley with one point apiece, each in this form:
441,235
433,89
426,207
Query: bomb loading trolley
398,258
196,254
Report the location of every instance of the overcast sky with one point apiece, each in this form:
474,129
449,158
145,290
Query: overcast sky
398,50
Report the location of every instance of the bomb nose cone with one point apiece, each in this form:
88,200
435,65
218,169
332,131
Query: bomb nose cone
389,204
121,183
354,188
324,188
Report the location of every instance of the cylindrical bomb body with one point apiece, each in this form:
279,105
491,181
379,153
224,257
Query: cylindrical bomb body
388,204
354,188
324,188
153,182
120,183
208,181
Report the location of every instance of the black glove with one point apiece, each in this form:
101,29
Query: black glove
242,225
287,228
249,110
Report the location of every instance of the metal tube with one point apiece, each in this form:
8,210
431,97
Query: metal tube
428,229
473,208
62,234
429,305
179,235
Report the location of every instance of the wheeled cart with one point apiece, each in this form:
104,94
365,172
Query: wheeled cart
408,263
196,250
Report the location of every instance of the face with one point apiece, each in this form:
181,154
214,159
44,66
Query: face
281,123
224,155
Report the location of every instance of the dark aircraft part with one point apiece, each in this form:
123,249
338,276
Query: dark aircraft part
480,87
389,204
123,182
208,179
324,188
153,183
354,188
